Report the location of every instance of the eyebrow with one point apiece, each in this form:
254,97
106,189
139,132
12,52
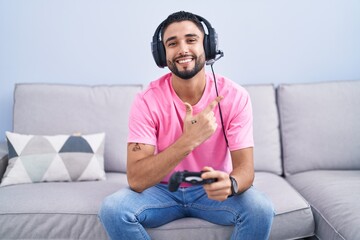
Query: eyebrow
187,35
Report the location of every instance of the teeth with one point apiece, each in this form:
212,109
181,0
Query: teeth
185,61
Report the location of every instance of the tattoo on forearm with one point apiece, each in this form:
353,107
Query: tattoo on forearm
136,147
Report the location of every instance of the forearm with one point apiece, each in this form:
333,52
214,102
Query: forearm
244,177
145,172
243,168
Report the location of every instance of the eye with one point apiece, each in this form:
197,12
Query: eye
192,40
171,44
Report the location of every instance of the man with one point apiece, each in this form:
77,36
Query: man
175,125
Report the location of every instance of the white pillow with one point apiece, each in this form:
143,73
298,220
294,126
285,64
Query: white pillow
36,158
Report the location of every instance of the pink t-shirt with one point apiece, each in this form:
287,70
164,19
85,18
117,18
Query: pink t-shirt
157,117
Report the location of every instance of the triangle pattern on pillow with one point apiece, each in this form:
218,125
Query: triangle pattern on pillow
19,141
75,163
91,170
38,145
93,141
16,175
57,141
76,144
57,171
37,165
12,152
100,149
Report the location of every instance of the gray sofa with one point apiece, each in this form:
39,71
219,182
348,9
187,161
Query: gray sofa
307,160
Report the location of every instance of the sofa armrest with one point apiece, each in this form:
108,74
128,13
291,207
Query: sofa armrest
3,158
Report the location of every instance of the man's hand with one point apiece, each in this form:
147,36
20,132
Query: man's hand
219,190
201,126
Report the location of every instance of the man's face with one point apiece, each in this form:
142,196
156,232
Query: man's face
185,54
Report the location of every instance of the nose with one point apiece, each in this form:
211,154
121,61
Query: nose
183,48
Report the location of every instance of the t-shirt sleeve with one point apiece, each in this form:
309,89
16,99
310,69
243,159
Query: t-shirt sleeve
142,128
240,130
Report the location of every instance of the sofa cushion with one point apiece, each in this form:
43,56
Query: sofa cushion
267,150
293,216
320,126
41,158
45,210
334,200
49,109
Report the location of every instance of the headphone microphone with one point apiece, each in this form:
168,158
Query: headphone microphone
212,61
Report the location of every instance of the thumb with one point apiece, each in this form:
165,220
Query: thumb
189,111
207,169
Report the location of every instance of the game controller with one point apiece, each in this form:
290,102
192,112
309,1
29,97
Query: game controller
193,178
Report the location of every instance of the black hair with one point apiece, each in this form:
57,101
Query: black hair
179,17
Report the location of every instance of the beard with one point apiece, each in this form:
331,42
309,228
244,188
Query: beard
188,73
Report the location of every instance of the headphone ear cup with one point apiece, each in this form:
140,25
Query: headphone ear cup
162,55
158,49
211,44
158,52
210,40
207,48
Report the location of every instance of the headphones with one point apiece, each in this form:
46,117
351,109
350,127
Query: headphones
210,44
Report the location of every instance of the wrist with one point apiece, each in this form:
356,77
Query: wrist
234,186
184,145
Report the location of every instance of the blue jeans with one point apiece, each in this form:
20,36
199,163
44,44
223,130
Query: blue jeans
125,214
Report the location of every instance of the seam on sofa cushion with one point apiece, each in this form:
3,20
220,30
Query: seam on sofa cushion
281,124
328,223
296,210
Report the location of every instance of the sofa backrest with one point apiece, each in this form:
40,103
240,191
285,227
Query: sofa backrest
49,109
320,126
267,150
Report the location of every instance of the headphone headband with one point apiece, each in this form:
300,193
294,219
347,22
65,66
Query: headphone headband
210,43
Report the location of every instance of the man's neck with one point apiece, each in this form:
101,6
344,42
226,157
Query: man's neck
190,90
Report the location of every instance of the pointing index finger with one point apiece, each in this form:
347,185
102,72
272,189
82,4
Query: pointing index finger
212,105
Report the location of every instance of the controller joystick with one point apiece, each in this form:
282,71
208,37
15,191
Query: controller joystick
193,178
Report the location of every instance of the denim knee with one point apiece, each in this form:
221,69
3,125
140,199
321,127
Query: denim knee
108,211
261,212
256,209
255,217
266,211
263,208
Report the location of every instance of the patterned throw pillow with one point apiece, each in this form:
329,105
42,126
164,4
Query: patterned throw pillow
35,158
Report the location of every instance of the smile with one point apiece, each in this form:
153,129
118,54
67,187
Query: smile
185,60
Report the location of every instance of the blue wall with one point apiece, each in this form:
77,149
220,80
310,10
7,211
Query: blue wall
108,41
